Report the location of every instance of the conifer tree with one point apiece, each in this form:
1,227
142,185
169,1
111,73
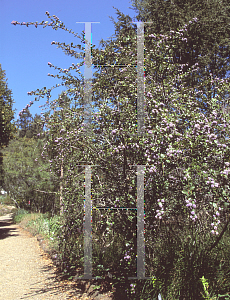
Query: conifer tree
7,128
24,123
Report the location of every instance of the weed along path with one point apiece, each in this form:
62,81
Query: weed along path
26,272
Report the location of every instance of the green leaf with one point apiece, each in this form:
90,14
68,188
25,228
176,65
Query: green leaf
213,204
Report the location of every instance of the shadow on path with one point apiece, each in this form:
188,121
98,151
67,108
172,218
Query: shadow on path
53,286
6,229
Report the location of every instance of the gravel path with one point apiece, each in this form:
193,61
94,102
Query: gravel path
26,272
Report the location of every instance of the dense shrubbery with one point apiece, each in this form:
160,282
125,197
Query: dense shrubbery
185,151
26,178
19,215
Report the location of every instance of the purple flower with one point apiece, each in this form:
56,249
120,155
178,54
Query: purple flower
149,95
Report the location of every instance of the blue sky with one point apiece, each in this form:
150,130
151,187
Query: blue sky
26,51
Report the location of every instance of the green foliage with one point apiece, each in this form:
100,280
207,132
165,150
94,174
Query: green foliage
24,124
19,215
1,170
42,224
7,128
26,178
185,150
207,41
36,127
29,126
206,294
45,225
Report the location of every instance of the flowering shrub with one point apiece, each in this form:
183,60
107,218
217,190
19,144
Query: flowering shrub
185,150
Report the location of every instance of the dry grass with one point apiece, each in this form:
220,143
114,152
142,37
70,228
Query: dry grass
29,217
25,222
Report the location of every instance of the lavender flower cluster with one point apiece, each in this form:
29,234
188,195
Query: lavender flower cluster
192,205
161,211
216,222
133,285
127,256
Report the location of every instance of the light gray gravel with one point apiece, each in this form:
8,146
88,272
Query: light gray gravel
25,270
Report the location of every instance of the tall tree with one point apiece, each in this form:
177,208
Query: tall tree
24,124
7,128
26,178
207,40
36,127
